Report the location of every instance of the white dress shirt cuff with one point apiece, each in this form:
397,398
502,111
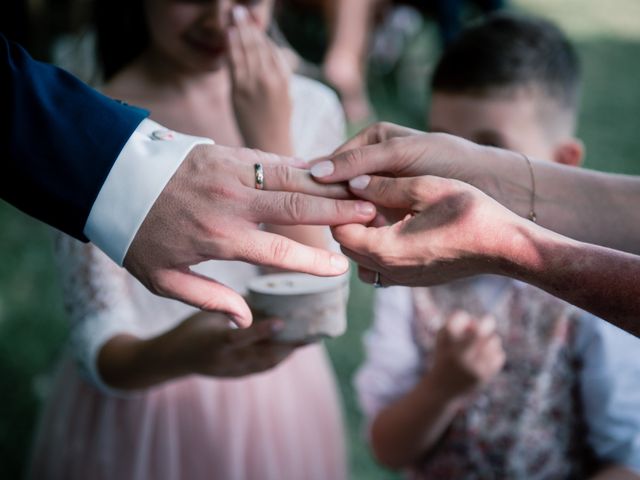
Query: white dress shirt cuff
144,167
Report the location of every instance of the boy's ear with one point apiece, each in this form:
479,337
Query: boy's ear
570,152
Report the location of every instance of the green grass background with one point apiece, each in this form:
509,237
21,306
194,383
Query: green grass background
32,325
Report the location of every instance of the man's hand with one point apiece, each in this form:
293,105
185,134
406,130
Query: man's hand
211,209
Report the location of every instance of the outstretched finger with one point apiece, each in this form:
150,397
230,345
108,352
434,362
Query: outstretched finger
259,331
293,208
281,177
278,60
203,293
390,192
247,40
349,164
376,133
271,250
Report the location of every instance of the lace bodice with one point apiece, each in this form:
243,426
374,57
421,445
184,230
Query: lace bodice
103,300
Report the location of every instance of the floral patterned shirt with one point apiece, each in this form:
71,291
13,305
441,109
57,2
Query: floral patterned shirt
550,413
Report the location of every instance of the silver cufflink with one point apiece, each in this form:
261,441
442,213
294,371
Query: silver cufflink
163,135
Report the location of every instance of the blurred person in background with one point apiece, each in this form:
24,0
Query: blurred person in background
488,376
351,26
155,389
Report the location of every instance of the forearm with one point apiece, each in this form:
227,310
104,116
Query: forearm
351,24
130,363
602,281
408,428
589,206
615,472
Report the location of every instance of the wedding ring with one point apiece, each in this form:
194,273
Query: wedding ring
259,171
376,281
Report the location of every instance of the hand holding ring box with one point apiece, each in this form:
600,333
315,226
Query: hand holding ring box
311,307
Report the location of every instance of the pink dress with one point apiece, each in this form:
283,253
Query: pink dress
279,425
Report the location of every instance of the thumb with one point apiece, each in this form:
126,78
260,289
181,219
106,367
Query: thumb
387,192
204,293
260,331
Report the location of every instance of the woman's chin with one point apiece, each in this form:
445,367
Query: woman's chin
209,63
198,65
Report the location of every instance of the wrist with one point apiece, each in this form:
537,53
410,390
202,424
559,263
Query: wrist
120,362
441,391
541,257
163,358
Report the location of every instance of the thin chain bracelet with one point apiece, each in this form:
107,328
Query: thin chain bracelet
532,213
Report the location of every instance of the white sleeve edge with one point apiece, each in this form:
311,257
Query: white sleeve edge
142,170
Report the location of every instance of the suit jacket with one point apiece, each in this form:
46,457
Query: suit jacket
59,141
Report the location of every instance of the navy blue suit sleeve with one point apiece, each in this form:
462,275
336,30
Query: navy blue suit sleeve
59,141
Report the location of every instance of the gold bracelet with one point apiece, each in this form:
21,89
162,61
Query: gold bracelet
532,213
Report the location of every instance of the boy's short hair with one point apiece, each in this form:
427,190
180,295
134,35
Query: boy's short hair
508,51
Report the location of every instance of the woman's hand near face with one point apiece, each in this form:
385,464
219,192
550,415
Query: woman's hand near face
260,86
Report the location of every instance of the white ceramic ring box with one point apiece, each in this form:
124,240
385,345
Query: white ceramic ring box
311,307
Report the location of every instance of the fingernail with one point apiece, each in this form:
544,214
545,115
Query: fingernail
365,208
339,263
360,183
239,13
322,169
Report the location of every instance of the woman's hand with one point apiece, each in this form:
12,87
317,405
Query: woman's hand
206,344
202,344
468,354
450,230
393,150
260,86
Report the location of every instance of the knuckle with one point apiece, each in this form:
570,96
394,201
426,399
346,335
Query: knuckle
415,189
220,190
353,157
395,144
285,176
294,205
280,249
383,188
379,130
160,285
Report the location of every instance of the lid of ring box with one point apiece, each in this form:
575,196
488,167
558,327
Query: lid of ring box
295,284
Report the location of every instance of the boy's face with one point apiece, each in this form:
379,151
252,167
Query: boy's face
513,121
